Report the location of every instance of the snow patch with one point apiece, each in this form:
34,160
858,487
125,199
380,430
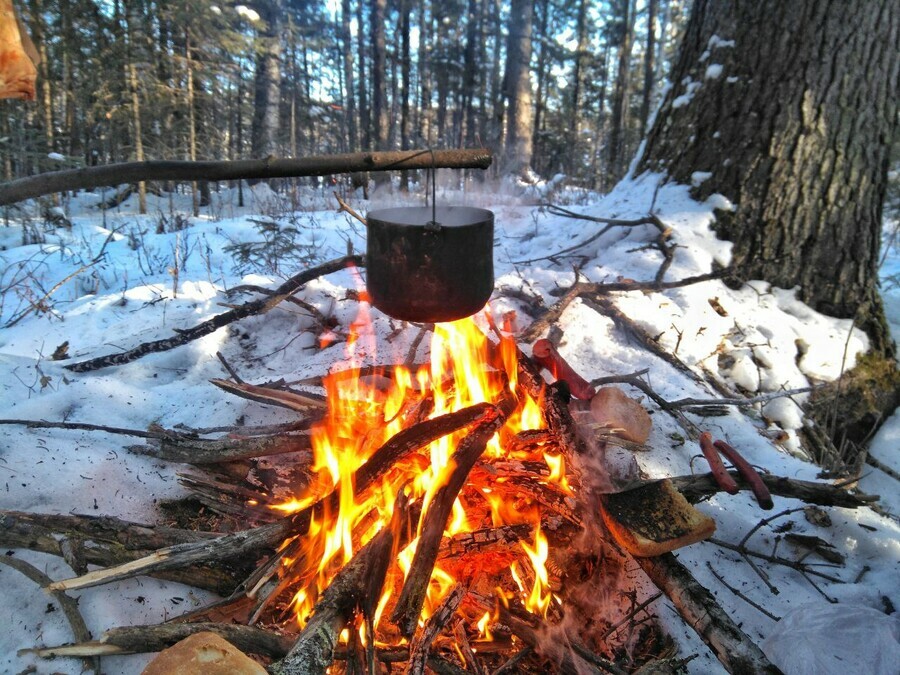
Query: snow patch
713,71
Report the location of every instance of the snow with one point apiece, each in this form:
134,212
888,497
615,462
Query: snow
713,71
760,339
55,156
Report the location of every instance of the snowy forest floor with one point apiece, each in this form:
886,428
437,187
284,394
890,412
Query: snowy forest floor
117,288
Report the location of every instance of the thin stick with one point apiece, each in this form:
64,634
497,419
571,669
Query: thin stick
84,426
228,368
738,593
142,639
633,613
69,605
250,308
346,208
35,305
418,652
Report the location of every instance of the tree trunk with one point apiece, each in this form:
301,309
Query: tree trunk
131,69
365,130
795,131
267,83
346,39
577,76
379,94
518,89
649,73
405,11
615,167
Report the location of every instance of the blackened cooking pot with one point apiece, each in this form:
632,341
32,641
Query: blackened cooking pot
429,267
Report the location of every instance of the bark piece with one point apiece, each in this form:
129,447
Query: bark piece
203,654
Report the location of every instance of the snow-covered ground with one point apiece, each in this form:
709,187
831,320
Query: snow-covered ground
117,289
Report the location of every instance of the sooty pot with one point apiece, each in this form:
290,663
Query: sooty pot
430,267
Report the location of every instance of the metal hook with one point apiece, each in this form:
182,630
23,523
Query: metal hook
433,172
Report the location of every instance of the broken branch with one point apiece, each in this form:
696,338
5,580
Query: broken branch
250,308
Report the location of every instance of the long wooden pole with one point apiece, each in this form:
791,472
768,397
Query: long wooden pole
261,169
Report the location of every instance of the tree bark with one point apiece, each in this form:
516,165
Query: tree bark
620,95
795,130
267,81
350,101
649,71
323,165
518,89
379,95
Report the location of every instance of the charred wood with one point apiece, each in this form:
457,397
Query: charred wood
434,519
418,653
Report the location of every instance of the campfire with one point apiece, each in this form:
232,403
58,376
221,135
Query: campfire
453,461
480,511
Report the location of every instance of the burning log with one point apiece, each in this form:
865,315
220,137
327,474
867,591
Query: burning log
268,536
358,584
418,653
434,519
484,540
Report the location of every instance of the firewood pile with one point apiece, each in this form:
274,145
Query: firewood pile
460,516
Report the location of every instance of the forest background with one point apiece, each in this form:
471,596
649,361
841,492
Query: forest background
554,86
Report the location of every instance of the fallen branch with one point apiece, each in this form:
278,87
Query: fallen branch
418,652
696,605
271,535
165,170
354,585
701,486
593,290
143,639
113,542
69,605
250,308
434,520
201,451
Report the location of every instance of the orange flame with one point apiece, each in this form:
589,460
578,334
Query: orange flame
368,407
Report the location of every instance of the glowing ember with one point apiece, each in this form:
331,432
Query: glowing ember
366,409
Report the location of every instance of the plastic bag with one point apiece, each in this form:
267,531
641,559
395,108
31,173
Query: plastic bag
825,639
